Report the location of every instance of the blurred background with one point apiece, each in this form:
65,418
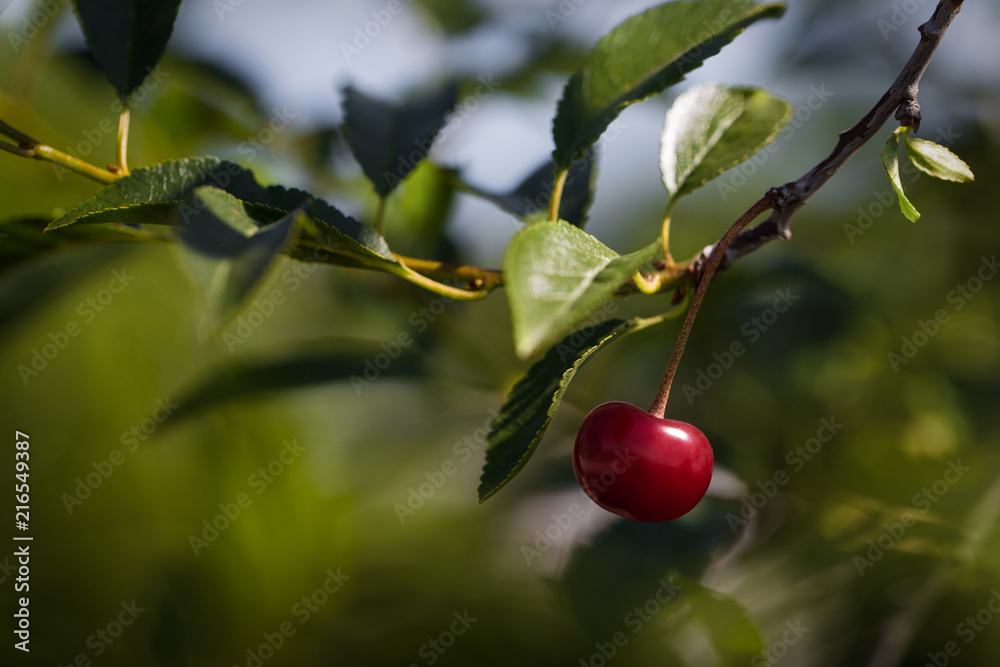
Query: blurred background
855,517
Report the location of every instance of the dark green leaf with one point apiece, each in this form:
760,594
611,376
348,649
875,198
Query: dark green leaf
531,198
127,37
152,195
937,161
523,419
556,275
890,160
641,57
712,128
315,363
226,250
389,140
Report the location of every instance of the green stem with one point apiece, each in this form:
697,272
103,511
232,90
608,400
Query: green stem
440,288
672,314
557,191
49,154
123,124
660,402
665,233
482,278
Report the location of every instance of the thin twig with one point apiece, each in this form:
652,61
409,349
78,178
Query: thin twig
900,99
786,200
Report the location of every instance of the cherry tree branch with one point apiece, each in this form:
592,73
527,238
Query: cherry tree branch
901,99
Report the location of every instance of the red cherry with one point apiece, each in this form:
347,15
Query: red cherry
639,466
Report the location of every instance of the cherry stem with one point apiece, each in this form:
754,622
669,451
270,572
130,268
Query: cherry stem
718,252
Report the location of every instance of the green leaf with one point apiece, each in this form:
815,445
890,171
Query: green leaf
556,275
937,161
533,401
314,363
389,140
712,128
152,196
127,37
641,57
531,198
890,160
226,250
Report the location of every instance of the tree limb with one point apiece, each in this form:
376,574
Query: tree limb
901,98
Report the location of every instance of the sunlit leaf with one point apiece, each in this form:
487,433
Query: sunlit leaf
712,128
556,275
937,161
641,57
890,160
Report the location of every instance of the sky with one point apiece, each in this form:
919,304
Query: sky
299,53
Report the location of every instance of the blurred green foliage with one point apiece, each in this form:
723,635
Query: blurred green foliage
379,504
